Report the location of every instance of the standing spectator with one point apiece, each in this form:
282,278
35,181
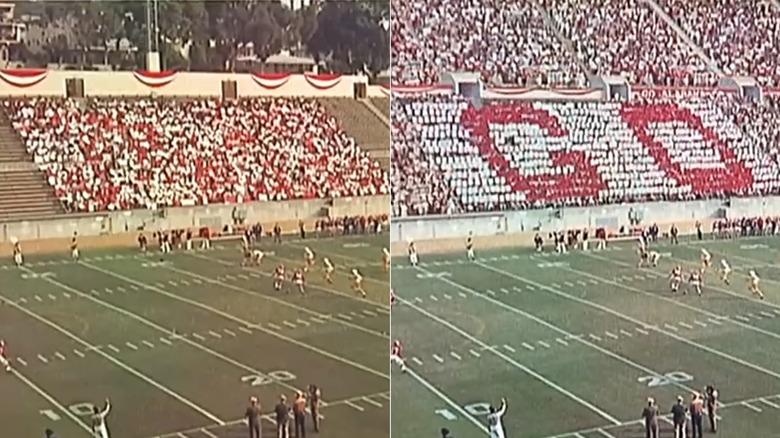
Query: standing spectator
282,412
253,417
314,405
277,233
697,411
302,228
299,414
650,415
711,396
678,418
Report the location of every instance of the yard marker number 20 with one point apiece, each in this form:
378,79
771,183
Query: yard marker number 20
273,376
665,379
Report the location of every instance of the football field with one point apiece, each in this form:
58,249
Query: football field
180,345
577,342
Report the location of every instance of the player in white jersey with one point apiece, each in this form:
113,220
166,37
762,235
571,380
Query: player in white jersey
706,260
470,247
4,356
654,257
413,260
495,428
308,258
18,257
725,271
327,270
386,259
753,284
99,427
357,283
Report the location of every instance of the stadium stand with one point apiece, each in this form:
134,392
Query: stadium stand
740,35
23,188
111,154
366,124
507,42
520,154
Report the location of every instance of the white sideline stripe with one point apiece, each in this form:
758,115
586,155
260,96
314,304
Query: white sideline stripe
116,362
448,401
236,319
515,363
644,324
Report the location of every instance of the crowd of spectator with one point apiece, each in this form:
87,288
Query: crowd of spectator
558,42
628,38
455,157
505,42
117,154
741,36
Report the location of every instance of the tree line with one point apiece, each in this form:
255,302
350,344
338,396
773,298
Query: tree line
346,36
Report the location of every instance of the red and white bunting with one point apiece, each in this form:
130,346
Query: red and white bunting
271,81
323,81
23,78
154,79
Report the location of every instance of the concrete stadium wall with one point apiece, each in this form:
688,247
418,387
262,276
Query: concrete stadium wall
40,82
286,214
447,233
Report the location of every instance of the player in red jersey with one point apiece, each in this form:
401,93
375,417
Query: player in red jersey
397,355
4,356
695,281
299,281
279,277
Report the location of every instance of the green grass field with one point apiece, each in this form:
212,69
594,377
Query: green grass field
180,346
577,342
